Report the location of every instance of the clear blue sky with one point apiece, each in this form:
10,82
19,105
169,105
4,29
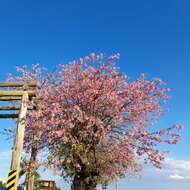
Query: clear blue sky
153,37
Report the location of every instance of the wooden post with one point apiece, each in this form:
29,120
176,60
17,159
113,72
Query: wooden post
18,146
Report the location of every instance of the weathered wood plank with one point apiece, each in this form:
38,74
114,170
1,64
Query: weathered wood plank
14,98
18,84
16,93
8,116
10,98
8,108
18,146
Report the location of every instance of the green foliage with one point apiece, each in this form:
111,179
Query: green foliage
20,187
2,184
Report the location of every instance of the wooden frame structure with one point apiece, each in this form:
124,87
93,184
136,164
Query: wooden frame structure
17,95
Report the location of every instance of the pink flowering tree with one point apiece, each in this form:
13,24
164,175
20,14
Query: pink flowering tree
98,124
95,123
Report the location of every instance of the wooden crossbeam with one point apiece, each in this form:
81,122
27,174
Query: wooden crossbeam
18,84
10,98
16,93
8,116
9,108
13,98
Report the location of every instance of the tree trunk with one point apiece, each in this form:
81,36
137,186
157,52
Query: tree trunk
30,176
83,181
